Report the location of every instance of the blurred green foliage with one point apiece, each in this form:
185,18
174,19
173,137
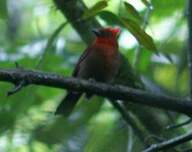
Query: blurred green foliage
33,31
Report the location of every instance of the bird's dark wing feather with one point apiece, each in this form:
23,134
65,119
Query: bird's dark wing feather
68,103
82,57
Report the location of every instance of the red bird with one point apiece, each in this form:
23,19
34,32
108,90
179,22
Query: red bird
100,62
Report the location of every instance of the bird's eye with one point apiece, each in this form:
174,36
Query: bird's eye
96,32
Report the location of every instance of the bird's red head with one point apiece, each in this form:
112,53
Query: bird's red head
107,32
107,36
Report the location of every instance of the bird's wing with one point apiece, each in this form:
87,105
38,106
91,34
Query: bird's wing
82,57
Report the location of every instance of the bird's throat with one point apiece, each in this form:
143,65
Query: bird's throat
108,42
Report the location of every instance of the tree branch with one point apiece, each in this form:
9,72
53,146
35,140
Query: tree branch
73,10
170,143
189,20
116,92
138,128
174,126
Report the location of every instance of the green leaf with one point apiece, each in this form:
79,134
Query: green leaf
143,38
132,12
161,10
144,60
146,3
3,9
51,41
110,18
94,9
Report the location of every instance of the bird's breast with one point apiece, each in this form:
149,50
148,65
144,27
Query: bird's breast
100,64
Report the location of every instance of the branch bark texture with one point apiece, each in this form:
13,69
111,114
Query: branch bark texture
73,10
117,92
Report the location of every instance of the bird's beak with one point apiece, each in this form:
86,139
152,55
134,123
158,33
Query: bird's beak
96,32
116,30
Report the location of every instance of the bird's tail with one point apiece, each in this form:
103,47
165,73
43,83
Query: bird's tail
68,103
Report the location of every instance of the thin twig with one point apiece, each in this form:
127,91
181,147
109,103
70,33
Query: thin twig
174,126
169,143
17,88
130,140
